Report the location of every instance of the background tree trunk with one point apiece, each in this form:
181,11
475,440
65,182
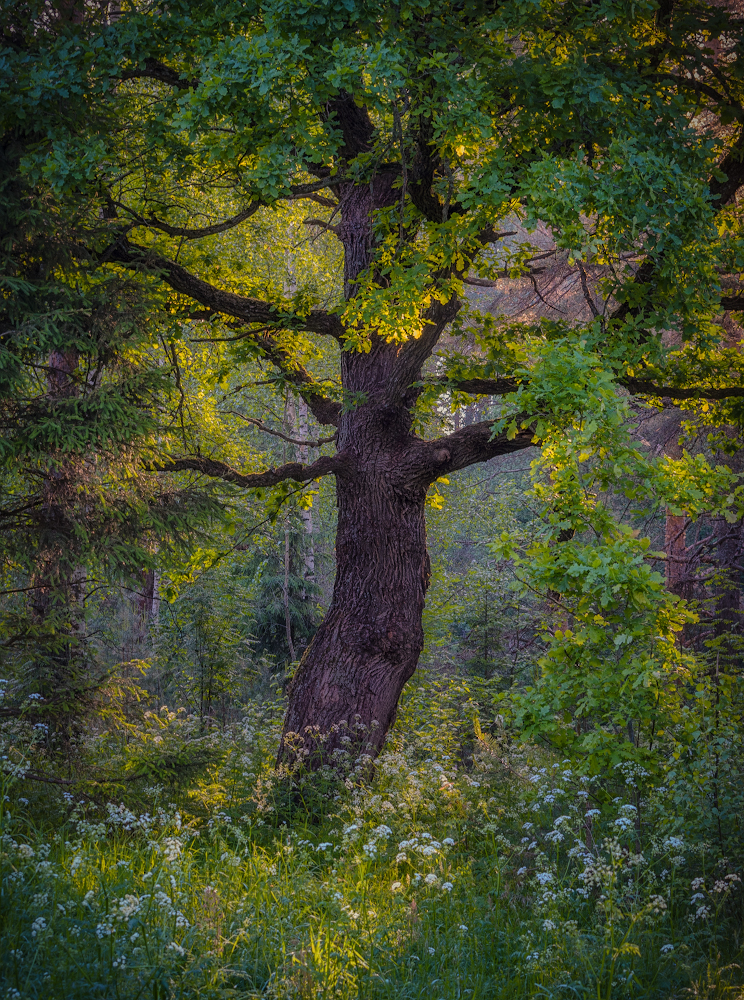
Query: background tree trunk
308,557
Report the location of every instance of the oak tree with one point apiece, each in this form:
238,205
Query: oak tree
433,143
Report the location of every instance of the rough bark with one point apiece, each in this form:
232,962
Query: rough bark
369,643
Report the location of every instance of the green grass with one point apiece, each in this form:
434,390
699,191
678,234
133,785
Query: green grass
443,875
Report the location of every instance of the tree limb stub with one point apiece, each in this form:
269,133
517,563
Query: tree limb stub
472,444
325,466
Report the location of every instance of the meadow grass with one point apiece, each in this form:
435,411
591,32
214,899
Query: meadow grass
450,869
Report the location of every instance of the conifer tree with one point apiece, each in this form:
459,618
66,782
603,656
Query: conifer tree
79,408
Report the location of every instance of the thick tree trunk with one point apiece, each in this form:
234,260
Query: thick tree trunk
352,673
368,646
370,641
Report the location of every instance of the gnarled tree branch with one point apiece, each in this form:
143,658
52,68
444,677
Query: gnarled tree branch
153,69
242,307
248,310
325,466
643,387
191,234
415,352
279,434
296,192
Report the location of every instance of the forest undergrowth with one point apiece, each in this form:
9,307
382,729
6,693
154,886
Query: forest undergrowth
461,864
